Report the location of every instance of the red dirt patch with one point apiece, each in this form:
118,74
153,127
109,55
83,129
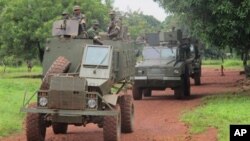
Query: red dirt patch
157,117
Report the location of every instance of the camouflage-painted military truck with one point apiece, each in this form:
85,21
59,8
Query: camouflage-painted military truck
169,60
76,87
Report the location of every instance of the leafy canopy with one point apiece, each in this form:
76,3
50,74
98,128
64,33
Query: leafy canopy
221,23
25,24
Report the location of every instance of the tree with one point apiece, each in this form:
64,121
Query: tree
175,20
221,23
25,24
139,24
109,3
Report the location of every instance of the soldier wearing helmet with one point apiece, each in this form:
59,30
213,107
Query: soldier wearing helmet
93,32
114,27
65,15
77,15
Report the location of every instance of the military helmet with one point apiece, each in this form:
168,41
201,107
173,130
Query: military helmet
112,12
65,12
95,22
76,7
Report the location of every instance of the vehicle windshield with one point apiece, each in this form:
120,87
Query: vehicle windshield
158,53
97,56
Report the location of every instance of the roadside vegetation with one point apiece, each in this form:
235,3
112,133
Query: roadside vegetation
228,63
219,112
14,82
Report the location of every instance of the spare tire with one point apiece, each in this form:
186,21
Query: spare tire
60,65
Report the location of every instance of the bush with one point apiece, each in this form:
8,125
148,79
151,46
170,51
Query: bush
227,63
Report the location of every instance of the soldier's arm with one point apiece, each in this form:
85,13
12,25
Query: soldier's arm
111,25
118,24
97,40
114,33
91,34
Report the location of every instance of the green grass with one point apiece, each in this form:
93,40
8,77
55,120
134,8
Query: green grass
219,112
11,98
228,63
19,69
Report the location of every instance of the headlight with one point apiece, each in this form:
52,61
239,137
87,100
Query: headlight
43,101
176,71
92,103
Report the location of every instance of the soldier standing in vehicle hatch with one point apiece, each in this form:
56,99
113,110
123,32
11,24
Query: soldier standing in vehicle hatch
77,15
65,15
114,27
93,32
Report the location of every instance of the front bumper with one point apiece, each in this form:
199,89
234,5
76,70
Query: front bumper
70,112
170,78
157,83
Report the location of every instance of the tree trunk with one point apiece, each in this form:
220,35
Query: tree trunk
4,67
245,57
40,52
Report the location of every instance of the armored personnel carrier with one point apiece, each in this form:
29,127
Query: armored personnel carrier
169,60
77,82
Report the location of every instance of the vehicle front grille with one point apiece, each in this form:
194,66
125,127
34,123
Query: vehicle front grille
72,100
156,71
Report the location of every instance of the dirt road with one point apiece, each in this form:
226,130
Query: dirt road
157,117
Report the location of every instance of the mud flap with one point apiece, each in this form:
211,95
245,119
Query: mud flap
111,99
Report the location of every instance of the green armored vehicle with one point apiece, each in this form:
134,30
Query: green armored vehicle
168,62
76,88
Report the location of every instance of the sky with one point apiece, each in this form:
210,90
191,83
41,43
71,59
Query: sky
148,7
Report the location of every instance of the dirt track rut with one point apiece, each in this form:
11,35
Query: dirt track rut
157,118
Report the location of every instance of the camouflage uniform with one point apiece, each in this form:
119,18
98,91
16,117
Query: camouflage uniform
80,17
93,31
65,15
114,27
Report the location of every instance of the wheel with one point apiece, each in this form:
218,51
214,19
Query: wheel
60,128
178,93
187,86
147,92
197,79
60,65
127,114
35,126
112,126
184,90
137,93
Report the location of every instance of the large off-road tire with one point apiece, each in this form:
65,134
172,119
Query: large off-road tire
112,127
127,113
184,90
147,92
197,79
60,128
137,93
60,65
35,126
